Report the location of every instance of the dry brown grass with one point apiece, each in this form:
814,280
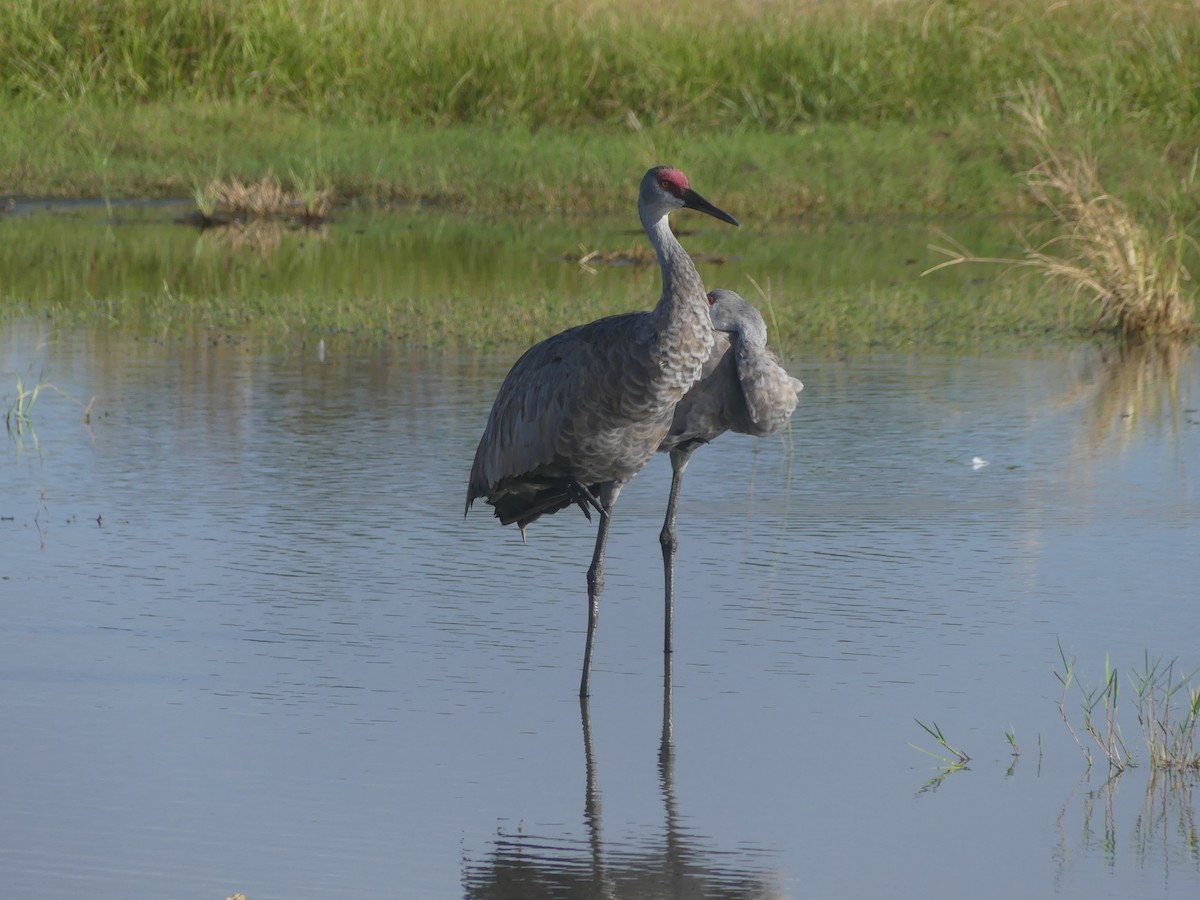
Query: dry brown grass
1133,273
232,201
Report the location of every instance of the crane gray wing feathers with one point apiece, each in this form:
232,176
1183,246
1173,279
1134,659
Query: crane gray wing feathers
711,407
563,408
771,393
526,416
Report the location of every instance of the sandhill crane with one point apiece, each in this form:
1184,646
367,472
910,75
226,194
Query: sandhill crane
582,412
744,389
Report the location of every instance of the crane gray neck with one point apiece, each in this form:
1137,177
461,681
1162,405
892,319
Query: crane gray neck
750,333
679,276
731,313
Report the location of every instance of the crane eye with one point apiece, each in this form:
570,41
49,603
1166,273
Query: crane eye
664,184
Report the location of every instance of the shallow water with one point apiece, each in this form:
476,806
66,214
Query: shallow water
252,645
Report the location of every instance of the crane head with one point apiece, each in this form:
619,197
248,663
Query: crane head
734,314
669,187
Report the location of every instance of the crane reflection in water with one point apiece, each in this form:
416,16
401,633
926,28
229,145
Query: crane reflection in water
675,863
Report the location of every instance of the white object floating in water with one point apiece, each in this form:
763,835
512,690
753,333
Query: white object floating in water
321,350
978,462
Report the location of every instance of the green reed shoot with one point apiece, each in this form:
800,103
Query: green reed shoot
1168,725
956,759
16,419
1168,712
1010,737
1099,713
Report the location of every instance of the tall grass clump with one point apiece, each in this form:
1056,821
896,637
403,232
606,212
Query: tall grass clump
1131,272
224,201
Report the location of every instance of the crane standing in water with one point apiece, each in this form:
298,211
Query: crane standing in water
582,412
744,389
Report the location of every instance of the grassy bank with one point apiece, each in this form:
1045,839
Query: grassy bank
824,169
782,107
835,169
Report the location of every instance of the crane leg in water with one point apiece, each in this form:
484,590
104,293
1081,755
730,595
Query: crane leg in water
595,578
679,461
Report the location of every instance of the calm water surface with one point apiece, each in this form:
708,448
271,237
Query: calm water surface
250,643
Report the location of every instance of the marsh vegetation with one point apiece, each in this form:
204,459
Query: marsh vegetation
233,202
1133,273
802,112
859,106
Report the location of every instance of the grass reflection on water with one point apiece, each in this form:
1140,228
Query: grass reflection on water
430,277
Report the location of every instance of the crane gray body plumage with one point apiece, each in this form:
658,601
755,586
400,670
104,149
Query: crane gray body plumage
582,412
743,388
591,404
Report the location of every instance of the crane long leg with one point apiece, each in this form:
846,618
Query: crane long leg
679,461
595,579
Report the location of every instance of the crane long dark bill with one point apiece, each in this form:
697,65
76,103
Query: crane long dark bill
582,412
692,200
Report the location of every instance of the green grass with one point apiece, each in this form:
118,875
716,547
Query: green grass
788,107
1167,707
1168,711
821,170
503,281
1098,714
712,64
166,149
